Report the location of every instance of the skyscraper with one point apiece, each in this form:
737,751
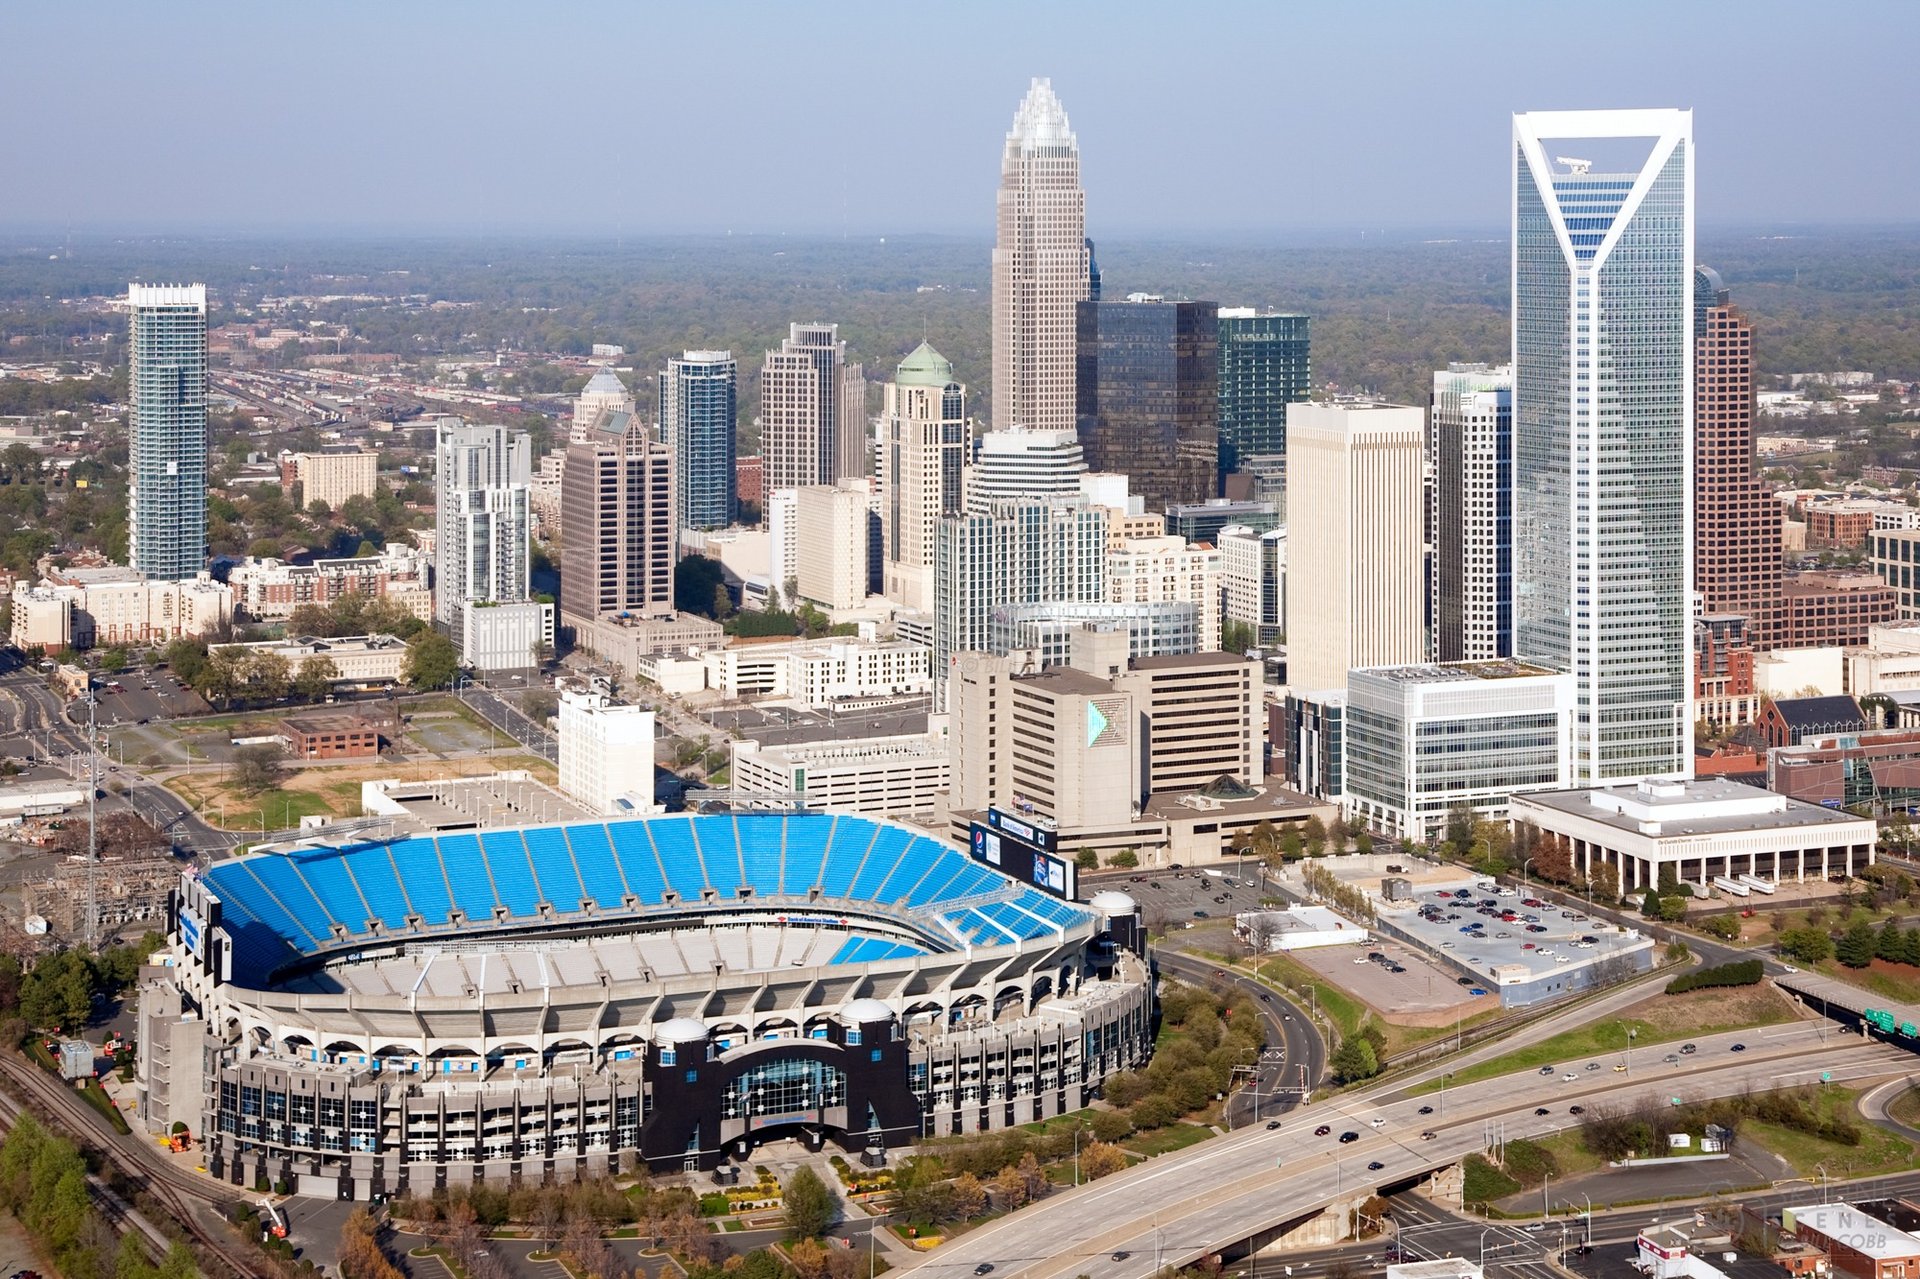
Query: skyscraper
1018,464
603,393
1603,428
167,429
1470,432
1737,566
1147,387
1266,363
925,440
813,410
483,547
697,418
1040,267
1015,552
616,519
1356,553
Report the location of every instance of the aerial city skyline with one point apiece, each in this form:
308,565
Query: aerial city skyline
1109,760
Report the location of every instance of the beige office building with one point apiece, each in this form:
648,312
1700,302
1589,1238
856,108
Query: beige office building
1152,753
1167,569
813,410
1040,267
1356,559
925,440
603,393
616,515
831,543
334,477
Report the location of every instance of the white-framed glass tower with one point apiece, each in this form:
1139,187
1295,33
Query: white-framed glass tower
1603,428
167,430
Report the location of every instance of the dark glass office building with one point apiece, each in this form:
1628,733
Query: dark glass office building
1265,365
1147,395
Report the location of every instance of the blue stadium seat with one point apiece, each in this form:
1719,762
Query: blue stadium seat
938,883
553,867
1021,926
506,854
719,846
806,852
975,879
679,859
599,869
849,952
467,875
638,860
282,880
246,888
882,860
373,872
910,866
417,863
325,870
257,948
846,854
761,838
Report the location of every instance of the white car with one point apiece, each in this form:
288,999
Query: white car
1568,1078
1378,1123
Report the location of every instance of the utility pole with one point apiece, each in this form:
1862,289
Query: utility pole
93,828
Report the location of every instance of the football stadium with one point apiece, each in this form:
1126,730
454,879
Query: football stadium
544,1002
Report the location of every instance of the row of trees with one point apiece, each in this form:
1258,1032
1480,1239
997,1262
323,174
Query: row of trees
43,1183
1619,1133
1857,946
1189,1068
60,992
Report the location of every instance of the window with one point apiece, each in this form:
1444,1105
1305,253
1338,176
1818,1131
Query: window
784,1088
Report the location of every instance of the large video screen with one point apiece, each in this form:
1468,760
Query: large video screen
999,844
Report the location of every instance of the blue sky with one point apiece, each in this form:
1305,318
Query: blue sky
1213,118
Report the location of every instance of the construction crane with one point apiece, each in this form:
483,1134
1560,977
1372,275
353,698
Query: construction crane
1575,167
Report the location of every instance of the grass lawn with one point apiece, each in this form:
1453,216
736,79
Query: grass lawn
1347,1013
332,791
1657,1020
1898,982
1569,1155
1879,1151
1160,1141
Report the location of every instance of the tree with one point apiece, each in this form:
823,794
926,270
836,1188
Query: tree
694,580
1355,1059
1363,842
58,992
113,661
722,601
1125,859
1890,943
1855,948
258,768
810,1206
1101,1158
432,662
1087,859
1010,1188
1315,831
1236,637
969,1196
316,678
1808,945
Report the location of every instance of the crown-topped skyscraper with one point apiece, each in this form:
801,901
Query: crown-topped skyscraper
1039,267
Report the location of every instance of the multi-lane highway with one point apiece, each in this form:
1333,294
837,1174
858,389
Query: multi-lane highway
1171,1210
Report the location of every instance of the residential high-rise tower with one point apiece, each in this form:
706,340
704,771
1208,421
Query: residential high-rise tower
697,418
1147,386
1018,464
925,441
1040,267
483,548
1470,443
167,430
1603,369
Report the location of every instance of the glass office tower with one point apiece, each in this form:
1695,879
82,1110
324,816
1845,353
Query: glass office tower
167,430
1147,386
1603,428
697,411
1265,364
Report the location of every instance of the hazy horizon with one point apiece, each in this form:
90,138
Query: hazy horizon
604,121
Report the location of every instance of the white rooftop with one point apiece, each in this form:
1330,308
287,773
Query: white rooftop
1870,1235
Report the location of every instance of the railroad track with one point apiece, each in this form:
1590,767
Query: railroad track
180,1194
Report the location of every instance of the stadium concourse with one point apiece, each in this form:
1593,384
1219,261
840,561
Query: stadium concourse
525,1003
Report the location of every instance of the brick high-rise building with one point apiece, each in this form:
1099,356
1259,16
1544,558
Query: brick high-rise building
1736,557
616,520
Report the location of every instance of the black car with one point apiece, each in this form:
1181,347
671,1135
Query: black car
1346,1137
1273,1125
984,1268
1541,1110
1201,914
1266,999
1121,1256
1576,1110
1375,1166
1688,1049
1322,1131
1426,1110
1738,1048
